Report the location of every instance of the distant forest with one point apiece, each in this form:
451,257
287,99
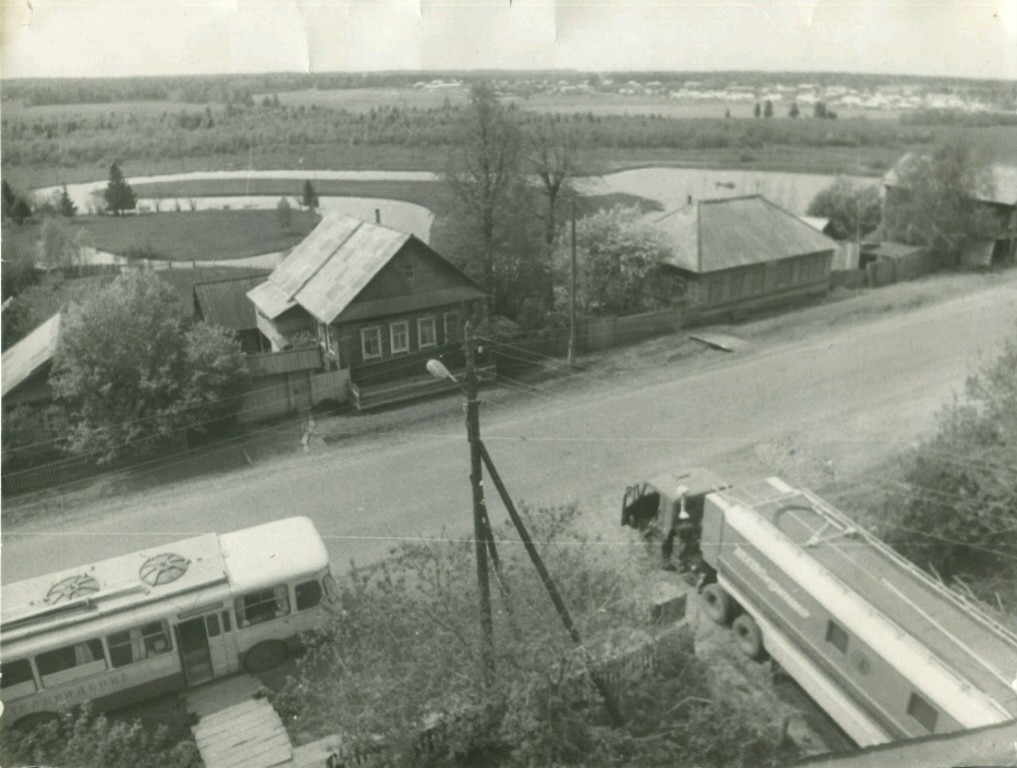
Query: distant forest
242,89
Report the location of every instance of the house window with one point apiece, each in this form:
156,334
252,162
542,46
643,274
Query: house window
370,343
138,644
71,662
923,712
408,271
452,327
263,605
426,333
758,278
836,636
399,334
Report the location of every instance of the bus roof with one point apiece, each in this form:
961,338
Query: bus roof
244,559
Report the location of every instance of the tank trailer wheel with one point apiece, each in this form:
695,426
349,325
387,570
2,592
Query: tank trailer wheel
718,604
749,637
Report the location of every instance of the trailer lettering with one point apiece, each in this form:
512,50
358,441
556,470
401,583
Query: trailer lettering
771,584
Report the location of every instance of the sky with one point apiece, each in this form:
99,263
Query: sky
118,38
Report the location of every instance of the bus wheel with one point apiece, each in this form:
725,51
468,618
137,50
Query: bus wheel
264,656
718,604
749,637
34,720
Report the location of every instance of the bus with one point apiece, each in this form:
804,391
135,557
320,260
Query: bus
166,618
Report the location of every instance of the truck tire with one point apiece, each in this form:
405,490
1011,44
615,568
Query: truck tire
718,604
749,637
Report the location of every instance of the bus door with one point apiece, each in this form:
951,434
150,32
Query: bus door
203,646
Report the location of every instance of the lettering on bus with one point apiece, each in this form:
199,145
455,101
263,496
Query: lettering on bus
771,584
75,694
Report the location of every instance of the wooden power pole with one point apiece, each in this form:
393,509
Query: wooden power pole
572,291
481,526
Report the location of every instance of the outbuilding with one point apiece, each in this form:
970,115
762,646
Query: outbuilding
741,253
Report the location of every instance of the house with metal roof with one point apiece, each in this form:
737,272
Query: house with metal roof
740,253
225,303
25,366
379,301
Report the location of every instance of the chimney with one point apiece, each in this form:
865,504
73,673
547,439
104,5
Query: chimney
377,215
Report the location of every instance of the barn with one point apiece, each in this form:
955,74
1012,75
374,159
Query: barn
736,254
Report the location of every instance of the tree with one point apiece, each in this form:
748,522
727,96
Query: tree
934,201
617,252
310,200
483,175
956,508
553,154
853,209
398,652
133,379
59,246
768,109
793,112
284,213
819,111
65,205
756,110
119,195
7,199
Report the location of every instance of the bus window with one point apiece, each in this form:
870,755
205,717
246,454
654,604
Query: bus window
263,605
71,662
226,624
212,624
308,595
16,679
138,643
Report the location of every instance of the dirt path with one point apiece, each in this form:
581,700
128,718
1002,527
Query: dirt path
829,393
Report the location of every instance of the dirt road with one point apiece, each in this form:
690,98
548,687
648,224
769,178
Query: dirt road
844,397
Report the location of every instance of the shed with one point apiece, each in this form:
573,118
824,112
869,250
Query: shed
740,253
25,366
225,303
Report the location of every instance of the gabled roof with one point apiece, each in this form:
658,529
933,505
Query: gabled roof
225,302
333,265
29,355
712,235
1002,179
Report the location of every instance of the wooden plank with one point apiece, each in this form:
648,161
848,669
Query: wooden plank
242,729
263,757
252,731
231,714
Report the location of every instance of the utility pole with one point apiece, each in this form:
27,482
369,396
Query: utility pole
572,292
481,526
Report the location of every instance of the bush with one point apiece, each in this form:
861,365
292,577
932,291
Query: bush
84,740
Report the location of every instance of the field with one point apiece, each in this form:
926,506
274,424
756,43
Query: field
195,235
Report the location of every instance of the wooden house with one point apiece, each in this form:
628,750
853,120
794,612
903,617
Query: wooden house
225,303
741,253
379,302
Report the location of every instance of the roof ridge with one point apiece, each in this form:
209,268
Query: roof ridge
716,200
233,279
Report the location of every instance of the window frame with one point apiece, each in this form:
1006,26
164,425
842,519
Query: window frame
11,691
421,324
137,642
297,595
374,330
405,325
77,670
279,596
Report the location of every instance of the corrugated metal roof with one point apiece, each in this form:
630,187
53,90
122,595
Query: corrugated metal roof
27,356
712,235
225,302
329,268
1002,179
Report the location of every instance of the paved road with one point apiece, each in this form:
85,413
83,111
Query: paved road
852,396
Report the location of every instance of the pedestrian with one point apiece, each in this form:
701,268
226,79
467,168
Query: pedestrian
670,525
